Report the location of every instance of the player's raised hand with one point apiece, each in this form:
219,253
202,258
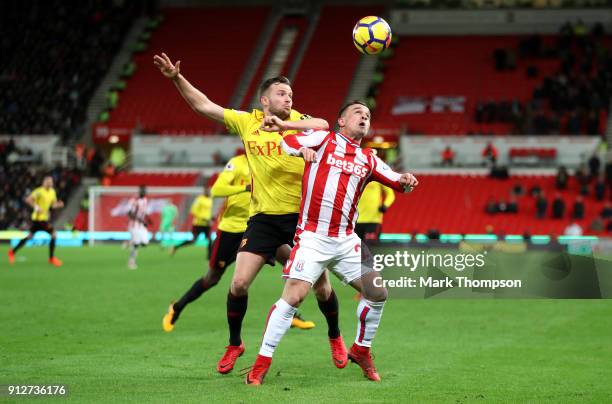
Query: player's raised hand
409,181
165,66
310,156
273,124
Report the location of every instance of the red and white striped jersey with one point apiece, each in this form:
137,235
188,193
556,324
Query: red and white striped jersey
138,211
332,186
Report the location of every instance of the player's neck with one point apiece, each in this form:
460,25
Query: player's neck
352,138
267,112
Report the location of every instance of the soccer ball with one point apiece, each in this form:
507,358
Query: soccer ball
371,35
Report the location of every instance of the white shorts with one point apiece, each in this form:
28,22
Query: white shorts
313,252
139,235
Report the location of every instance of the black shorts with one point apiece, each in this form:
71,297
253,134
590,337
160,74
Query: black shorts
368,231
224,249
197,230
265,233
41,226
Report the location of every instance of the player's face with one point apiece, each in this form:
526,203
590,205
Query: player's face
355,122
278,98
48,182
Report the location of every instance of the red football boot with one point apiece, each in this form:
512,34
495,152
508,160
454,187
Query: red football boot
361,356
256,376
338,351
229,358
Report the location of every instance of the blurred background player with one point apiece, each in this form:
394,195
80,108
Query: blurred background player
167,223
275,196
233,183
336,168
201,212
374,202
137,225
42,200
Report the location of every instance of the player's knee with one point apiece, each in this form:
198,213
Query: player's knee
211,279
240,286
375,294
323,291
294,299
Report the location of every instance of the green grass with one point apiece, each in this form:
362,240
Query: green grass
96,327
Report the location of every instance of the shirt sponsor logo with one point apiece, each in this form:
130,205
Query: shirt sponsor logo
347,166
264,148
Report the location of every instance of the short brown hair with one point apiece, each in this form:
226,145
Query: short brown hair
274,80
348,104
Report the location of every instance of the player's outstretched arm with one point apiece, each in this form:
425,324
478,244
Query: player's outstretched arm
58,204
275,124
223,185
383,174
199,102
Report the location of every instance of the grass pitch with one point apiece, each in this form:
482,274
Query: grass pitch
96,327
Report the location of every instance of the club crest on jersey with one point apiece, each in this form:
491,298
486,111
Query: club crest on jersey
347,166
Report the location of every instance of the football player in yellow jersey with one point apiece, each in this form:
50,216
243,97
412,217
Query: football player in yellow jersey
275,197
42,200
201,212
374,202
235,184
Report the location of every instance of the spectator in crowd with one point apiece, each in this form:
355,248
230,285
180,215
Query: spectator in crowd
489,154
541,205
578,210
518,190
562,178
582,177
46,89
606,211
594,166
600,189
512,205
558,207
448,156
491,206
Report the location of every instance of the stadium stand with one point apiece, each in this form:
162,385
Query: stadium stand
156,179
53,57
325,74
298,22
456,204
212,58
511,84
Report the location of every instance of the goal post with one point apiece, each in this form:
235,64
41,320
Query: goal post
108,208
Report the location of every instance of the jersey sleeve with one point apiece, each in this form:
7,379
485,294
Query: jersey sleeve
195,206
223,185
389,196
312,139
236,121
383,174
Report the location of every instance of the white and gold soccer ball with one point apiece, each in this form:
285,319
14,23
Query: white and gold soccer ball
371,35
